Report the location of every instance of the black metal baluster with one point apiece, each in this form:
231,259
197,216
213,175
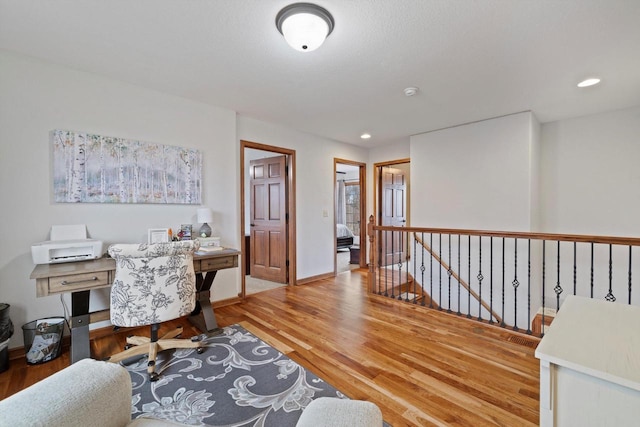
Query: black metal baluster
379,263
393,266
378,276
491,280
610,296
629,274
575,270
591,269
431,272
480,277
469,276
460,272
382,240
404,250
544,269
400,264
386,270
422,269
415,248
515,284
558,289
378,281
449,272
529,286
503,283
440,272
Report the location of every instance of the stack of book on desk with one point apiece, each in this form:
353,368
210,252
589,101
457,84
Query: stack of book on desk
208,249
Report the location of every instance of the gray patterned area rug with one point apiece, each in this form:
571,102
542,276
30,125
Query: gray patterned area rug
238,381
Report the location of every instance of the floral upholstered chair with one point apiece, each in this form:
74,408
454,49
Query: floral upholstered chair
154,283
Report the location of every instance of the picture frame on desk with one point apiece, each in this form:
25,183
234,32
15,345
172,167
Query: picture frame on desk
158,235
185,232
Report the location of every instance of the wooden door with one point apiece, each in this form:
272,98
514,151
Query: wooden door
268,216
393,205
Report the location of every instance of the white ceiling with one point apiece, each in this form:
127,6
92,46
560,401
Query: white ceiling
471,59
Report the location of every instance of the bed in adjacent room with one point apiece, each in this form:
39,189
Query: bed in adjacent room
344,236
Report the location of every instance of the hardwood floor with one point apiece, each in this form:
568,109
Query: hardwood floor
421,367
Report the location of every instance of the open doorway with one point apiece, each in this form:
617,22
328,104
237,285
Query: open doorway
268,217
350,215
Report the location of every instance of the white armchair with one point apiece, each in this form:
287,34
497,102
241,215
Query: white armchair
87,393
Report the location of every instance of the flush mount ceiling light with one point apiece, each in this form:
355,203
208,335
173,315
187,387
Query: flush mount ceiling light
304,26
589,82
365,136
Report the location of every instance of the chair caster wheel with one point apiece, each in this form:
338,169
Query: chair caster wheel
200,350
195,338
153,376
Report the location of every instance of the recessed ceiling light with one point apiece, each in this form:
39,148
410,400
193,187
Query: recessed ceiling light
365,136
410,91
589,82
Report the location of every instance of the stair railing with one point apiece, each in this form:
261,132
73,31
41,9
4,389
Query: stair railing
457,277
516,280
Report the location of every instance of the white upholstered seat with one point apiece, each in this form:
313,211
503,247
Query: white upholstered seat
334,412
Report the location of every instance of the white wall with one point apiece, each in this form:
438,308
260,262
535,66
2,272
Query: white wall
590,184
37,97
475,176
590,174
314,188
480,176
583,174
535,174
395,151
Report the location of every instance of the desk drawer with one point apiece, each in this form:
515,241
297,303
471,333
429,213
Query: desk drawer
218,263
78,282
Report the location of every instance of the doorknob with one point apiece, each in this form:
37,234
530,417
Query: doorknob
252,225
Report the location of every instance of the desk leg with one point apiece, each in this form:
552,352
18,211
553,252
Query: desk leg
80,348
547,394
202,316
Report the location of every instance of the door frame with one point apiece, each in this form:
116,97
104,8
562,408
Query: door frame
362,178
376,188
290,182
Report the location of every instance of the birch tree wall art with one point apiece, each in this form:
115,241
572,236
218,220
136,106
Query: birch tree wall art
103,169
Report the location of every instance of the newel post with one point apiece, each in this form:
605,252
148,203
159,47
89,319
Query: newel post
372,254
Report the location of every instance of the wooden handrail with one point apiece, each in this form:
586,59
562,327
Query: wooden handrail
614,240
458,278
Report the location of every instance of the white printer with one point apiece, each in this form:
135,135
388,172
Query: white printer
68,243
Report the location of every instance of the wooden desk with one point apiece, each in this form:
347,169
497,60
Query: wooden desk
80,278
590,365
